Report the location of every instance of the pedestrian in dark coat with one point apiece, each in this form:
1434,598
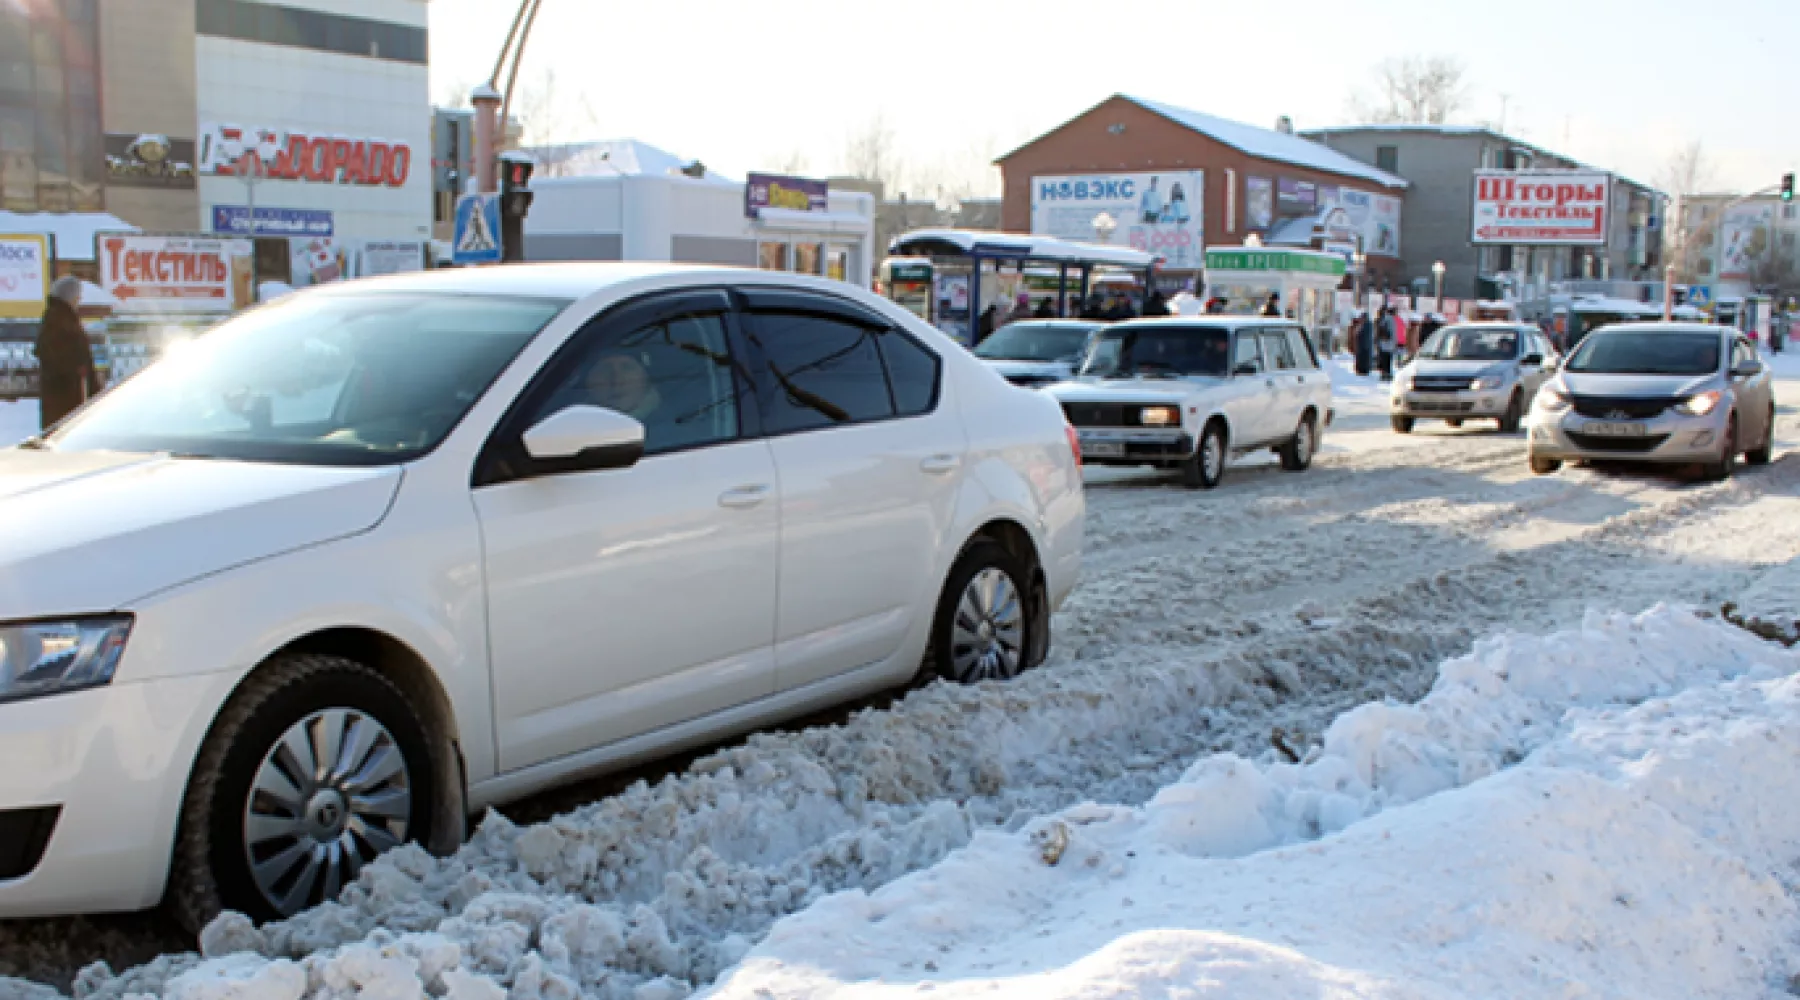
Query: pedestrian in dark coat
66,374
985,327
1046,309
1362,340
1273,306
1156,305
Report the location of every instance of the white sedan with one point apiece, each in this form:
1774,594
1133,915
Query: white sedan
360,562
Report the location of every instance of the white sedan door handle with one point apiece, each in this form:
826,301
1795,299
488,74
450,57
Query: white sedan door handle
940,465
744,496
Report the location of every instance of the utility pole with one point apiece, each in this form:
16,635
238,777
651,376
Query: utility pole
491,106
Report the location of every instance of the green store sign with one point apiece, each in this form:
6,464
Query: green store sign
1274,260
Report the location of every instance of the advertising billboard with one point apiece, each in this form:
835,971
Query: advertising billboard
1541,207
24,275
1746,234
176,274
1158,212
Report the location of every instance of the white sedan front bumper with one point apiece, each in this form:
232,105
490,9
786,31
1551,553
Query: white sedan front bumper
92,792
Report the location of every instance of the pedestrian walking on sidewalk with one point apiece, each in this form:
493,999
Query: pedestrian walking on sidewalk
66,373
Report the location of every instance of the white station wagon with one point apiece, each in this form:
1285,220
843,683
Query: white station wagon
364,560
1186,393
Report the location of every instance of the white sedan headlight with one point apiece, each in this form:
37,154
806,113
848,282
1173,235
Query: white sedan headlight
50,657
1700,404
1489,382
1403,382
1552,400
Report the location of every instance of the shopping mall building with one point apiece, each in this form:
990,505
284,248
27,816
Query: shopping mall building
140,109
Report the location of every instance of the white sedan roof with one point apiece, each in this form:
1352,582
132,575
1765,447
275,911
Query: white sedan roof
572,280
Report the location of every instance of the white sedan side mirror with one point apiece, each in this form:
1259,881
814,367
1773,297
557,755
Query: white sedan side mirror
580,438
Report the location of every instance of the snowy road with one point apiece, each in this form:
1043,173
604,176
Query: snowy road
1203,623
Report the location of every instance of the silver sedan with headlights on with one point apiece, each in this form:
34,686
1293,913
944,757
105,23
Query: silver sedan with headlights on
1473,371
1675,393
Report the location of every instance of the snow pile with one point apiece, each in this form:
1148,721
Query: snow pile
1629,854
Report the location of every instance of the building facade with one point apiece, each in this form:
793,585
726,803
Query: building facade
1442,162
1173,182
146,108
1732,246
51,154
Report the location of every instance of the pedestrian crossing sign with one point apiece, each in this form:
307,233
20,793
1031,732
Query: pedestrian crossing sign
477,238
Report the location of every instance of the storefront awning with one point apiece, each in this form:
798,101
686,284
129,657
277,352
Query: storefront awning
789,220
1015,246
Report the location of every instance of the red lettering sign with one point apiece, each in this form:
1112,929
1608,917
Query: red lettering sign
301,157
1541,207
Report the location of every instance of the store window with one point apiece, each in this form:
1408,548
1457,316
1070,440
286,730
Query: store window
772,256
837,263
809,258
1388,158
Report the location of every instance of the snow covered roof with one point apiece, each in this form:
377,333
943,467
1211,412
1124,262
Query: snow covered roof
1268,144
615,157
73,231
925,242
1420,128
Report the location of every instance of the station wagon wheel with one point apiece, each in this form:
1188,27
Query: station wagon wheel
1297,454
1206,467
316,765
986,617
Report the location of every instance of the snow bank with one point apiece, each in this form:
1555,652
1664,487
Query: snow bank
1628,853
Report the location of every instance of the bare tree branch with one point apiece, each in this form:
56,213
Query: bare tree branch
871,154
1427,90
1687,173
549,122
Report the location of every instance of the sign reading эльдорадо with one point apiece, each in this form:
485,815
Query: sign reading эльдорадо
1556,207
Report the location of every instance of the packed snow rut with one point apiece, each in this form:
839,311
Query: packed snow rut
1204,622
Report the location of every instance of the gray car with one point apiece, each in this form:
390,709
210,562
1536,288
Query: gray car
1473,371
1677,393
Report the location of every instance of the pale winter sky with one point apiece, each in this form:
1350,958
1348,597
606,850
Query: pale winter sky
746,85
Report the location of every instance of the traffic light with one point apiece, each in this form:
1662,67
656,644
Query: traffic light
515,202
515,186
1787,187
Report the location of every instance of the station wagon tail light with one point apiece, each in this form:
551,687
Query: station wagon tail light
1074,442
1699,405
1161,416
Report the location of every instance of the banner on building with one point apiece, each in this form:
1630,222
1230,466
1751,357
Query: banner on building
176,274
1541,207
24,275
297,156
319,260
1350,215
1157,212
1295,198
1259,202
795,194
1746,235
271,221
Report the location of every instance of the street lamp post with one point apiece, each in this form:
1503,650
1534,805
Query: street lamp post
1437,274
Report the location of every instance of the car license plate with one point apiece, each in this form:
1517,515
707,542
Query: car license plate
1615,430
1103,449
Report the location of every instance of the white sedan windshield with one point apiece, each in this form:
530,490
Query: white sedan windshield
341,379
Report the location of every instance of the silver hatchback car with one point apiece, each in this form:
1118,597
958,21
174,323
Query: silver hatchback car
1676,393
1472,371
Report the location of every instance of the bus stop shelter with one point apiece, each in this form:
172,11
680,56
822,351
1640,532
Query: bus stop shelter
965,259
